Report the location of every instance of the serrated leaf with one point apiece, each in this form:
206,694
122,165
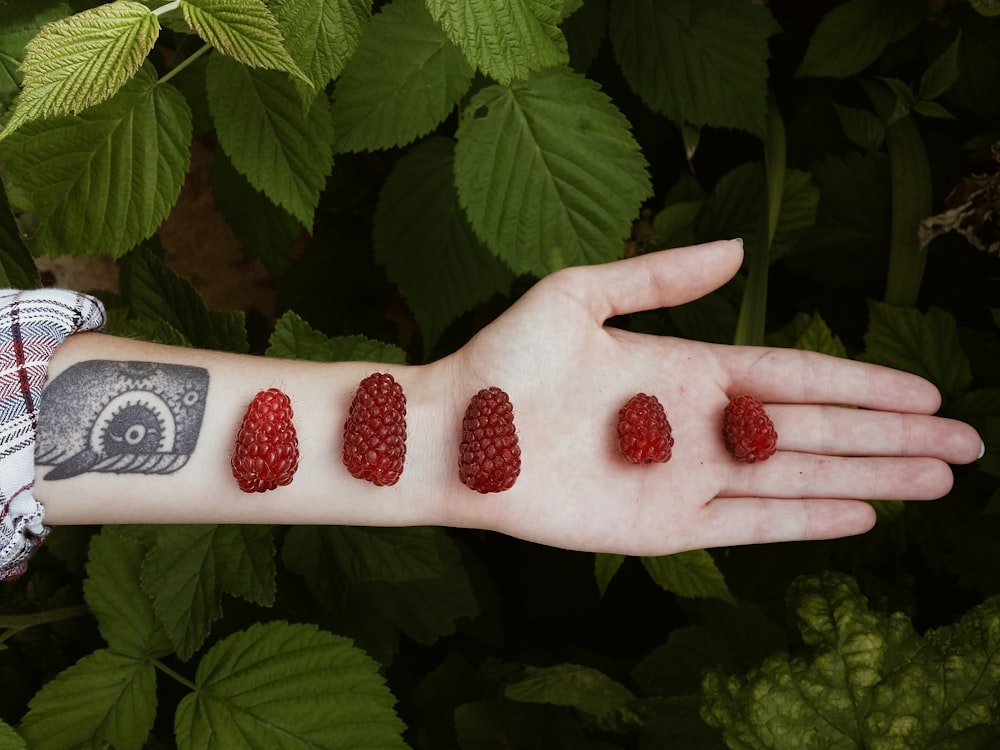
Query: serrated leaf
584,688
701,64
10,739
548,172
114,594
245,30
17,267
82,60
691,574
506,39
940,74
606,565
403,80
852,36
88,179
585,28
288,686
809,332
861,127
188,568
155,293
282,149
294,338
106,697
19,23
321,35
426,245
918,342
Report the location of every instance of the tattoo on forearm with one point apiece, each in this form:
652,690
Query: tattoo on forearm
120,417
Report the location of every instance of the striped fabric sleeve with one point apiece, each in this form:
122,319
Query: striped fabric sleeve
32,325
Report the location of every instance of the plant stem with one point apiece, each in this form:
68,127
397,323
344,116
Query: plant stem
176,675
14,624
174,5
185,62
750,325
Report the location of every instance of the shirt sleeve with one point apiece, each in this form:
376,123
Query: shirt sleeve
32,326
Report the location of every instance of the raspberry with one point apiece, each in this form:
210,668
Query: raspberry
490,458
643,431
748,430
267,449
375,431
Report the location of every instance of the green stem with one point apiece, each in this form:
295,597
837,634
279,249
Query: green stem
176,675
14,624
750,326
185,62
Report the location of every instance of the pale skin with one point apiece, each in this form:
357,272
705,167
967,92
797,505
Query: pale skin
567,375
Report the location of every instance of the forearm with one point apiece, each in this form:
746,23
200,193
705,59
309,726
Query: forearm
195,484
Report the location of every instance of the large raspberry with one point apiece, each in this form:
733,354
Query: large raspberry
748,430
267,448
643,430
375,431
490,458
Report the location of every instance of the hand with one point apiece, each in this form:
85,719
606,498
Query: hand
568,374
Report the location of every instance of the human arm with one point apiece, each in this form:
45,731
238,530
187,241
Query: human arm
567,375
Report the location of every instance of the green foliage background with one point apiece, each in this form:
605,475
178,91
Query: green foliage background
448,154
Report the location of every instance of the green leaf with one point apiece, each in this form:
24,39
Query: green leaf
188,568
321,35
941,74
280,147
697,63
288,686
106,697
584,688
19,23
426,245
852,36
606,565
809,332
294,338
691,574
403,80
506,39
83,60
932,109
864,679
922,343
88,180
17,267
861,127
9,738
155,293
114,594
978,86
244,30
548,172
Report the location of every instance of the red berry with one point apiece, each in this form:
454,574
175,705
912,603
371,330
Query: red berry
643,431
267,449
375,431
748,430
490,458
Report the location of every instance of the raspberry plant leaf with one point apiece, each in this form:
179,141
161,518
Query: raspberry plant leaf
105,699
587,689
505,39
853,35
289,686
423,239
19,23
9,738
85,180
82,60
606,566
294,338
17,267
189,567
539,195
282,148
245,30
690,574
700,64
114,594
404,78
978,86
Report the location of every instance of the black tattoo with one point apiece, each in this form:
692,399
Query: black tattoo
120,417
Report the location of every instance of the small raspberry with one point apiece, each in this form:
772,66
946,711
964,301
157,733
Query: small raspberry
375,431
490,458
748,430
643,431
267,449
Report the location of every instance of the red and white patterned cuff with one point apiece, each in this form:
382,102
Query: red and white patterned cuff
32,326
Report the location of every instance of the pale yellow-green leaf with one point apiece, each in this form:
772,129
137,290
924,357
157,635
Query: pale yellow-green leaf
83,60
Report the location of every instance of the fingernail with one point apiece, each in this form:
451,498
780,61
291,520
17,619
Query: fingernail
737,239
982,450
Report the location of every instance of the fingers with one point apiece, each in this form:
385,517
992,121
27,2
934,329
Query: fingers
648,282
751,520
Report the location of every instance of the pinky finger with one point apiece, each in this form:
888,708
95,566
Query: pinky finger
734,521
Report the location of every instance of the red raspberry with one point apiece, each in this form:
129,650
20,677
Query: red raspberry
490,458
267,449
748,430
643,431
375,431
